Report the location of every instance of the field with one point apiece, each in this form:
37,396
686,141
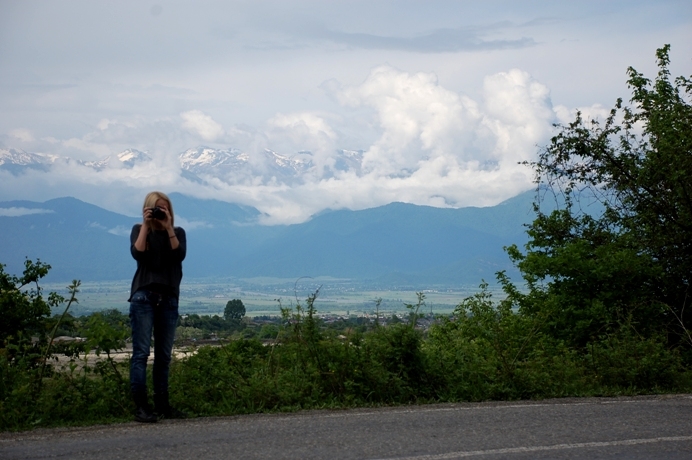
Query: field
264,296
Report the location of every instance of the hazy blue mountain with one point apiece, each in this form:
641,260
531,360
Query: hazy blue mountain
219,235
213,212
77,239
396,244
434,244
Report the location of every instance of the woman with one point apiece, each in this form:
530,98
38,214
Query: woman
159,249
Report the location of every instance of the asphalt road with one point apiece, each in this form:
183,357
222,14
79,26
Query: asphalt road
594,428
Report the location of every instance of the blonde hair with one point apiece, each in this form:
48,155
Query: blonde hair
151,199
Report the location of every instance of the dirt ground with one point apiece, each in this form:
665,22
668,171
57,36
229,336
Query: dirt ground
90,359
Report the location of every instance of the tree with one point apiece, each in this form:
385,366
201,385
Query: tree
23,308
589,272
235,310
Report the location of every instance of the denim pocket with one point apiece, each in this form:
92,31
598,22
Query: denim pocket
139,297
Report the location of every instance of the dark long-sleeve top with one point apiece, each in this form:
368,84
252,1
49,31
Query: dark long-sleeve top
159,267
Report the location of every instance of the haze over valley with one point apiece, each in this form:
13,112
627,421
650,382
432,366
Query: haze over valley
399,246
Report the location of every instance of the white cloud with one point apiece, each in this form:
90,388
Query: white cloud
518,111
593,112
290,133
22,134
304,123
120,231
419,120
93,79
190,224
515,98
436,147
17,212
203,125
87,146
433,146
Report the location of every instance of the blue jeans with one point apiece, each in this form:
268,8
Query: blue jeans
150,310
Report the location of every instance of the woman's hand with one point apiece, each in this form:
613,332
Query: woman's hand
167,222
141,242
167,225
147,218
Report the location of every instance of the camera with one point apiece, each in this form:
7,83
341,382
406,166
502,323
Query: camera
158,213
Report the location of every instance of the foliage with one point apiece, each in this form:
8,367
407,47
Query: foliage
73,288
269,331
207,324
33,391
76,394
487,350
235,310
23,308
585,279
107,331
641,178
414,309
626,359
189,333
589,273
308,365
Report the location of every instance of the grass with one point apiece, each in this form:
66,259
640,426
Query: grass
483,353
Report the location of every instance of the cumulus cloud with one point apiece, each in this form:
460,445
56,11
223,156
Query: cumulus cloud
435,146
419,120
291,133
303,126
432,146
203,125
518,111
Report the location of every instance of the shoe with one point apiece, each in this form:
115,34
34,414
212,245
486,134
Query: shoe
172,412
164,409
144,414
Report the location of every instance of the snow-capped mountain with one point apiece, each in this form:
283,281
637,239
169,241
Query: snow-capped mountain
97,165
234,163
288,166
205,160
349,160
131,156
230,165
127,158
16,161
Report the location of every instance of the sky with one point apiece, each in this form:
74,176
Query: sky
443,98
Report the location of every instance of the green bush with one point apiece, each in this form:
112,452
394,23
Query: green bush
24,310
487,350
626,360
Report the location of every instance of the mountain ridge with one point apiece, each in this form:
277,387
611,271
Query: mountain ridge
395,241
